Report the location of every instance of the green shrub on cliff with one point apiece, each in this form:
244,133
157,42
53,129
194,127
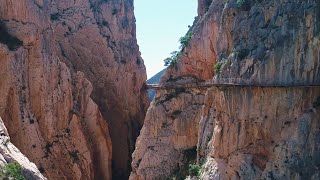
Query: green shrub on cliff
173,59
12,171
184,41
240,3
217,67
194,170
190,158
175,55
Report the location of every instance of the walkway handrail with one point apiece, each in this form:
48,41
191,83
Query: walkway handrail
210,84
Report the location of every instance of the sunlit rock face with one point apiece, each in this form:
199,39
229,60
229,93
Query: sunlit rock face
260,133
99,38
243,132
53,113
10,154
170,129
47,110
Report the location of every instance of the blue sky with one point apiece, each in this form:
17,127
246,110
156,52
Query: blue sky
160,24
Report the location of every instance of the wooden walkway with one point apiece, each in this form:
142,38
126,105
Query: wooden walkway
205,85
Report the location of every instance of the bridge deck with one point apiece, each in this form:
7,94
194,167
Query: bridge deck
209,85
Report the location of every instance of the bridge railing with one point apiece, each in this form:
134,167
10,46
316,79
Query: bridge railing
226,82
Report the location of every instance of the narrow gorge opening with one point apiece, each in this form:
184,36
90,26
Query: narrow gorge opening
74,99
160,25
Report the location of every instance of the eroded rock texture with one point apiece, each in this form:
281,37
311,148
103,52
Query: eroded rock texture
243,132
47,110
260,133
170,130
9,153
57,124
98,38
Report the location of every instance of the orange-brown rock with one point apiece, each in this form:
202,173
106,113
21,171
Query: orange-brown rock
260,133
99,38
169,132
47,110
244,132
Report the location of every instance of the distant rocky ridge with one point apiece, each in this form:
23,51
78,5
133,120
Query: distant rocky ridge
154,80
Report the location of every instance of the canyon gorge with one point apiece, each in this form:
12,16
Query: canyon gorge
74,101
256,131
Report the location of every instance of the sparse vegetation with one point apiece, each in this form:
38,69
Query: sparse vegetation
173,59
240,3
184,41
217,67
194,170
74,155
12,170
243,4
190,158
175,55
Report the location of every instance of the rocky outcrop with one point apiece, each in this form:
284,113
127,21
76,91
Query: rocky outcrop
169,133
98,38
268,42
244,132
47,110
260,133
9,153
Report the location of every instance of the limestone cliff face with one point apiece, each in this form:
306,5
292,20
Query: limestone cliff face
170,130
47,110
244,132
260,133
9,153
95,40
98,38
